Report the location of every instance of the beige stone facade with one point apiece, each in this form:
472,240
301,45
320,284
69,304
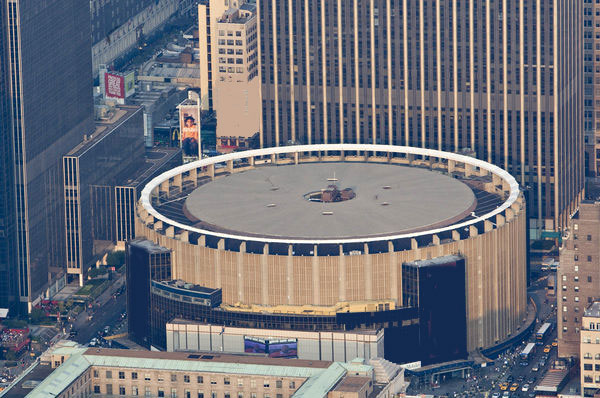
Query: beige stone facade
590,350
495,257
80,373
578,276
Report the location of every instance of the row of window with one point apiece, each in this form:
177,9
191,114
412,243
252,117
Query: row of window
161,393
199,379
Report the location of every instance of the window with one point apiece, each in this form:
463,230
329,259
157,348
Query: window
240,382
226,381
278,384
200,380
161,393
147,377
109,389
589,279
173,393
96,389
589,258
96,373
173,377
134,376
121,390
292,384
200,394
266,384
589,237
213,381
160,378
121,375
187,394
109,374
240,395
186,378
587,366
134,391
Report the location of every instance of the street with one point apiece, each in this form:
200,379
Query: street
106,311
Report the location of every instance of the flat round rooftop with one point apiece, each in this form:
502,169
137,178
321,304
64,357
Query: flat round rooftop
272,201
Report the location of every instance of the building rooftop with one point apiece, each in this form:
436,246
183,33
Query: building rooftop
149,246
352,383
115,117
321,376
276,201
182,285
435,261
593,310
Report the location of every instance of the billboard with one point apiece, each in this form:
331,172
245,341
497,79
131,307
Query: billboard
283,349
255,346
114,85
129,84
275,348
189,126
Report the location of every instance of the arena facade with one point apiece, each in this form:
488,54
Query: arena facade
326,229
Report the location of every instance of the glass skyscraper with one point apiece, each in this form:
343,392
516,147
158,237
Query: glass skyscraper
46,108
502,79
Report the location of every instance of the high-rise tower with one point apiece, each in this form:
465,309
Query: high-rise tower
501,77
46,107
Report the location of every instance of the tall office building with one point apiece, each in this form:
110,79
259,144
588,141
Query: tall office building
578,276
503,78
47,107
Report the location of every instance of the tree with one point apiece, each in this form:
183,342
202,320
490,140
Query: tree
115,259
37,316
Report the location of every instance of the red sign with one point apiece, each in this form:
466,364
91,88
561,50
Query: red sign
114,85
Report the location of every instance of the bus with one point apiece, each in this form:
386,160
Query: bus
542,332
528,351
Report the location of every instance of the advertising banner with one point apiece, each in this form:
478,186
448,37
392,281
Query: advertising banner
189,127
114,85
286,349
255,346
275,348
129,84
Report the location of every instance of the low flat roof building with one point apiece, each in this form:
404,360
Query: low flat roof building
79,370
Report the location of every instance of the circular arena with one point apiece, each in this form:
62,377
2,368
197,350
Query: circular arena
298,228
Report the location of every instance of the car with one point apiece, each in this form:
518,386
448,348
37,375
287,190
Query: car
547,348
542,363
496,395
521,379
503,386
524,363
525,387
514,387
535,369
531,380
509,379
544,357
506,394
555,343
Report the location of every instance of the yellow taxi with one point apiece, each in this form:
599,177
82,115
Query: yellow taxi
547,348
555,343
514,387
503,386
